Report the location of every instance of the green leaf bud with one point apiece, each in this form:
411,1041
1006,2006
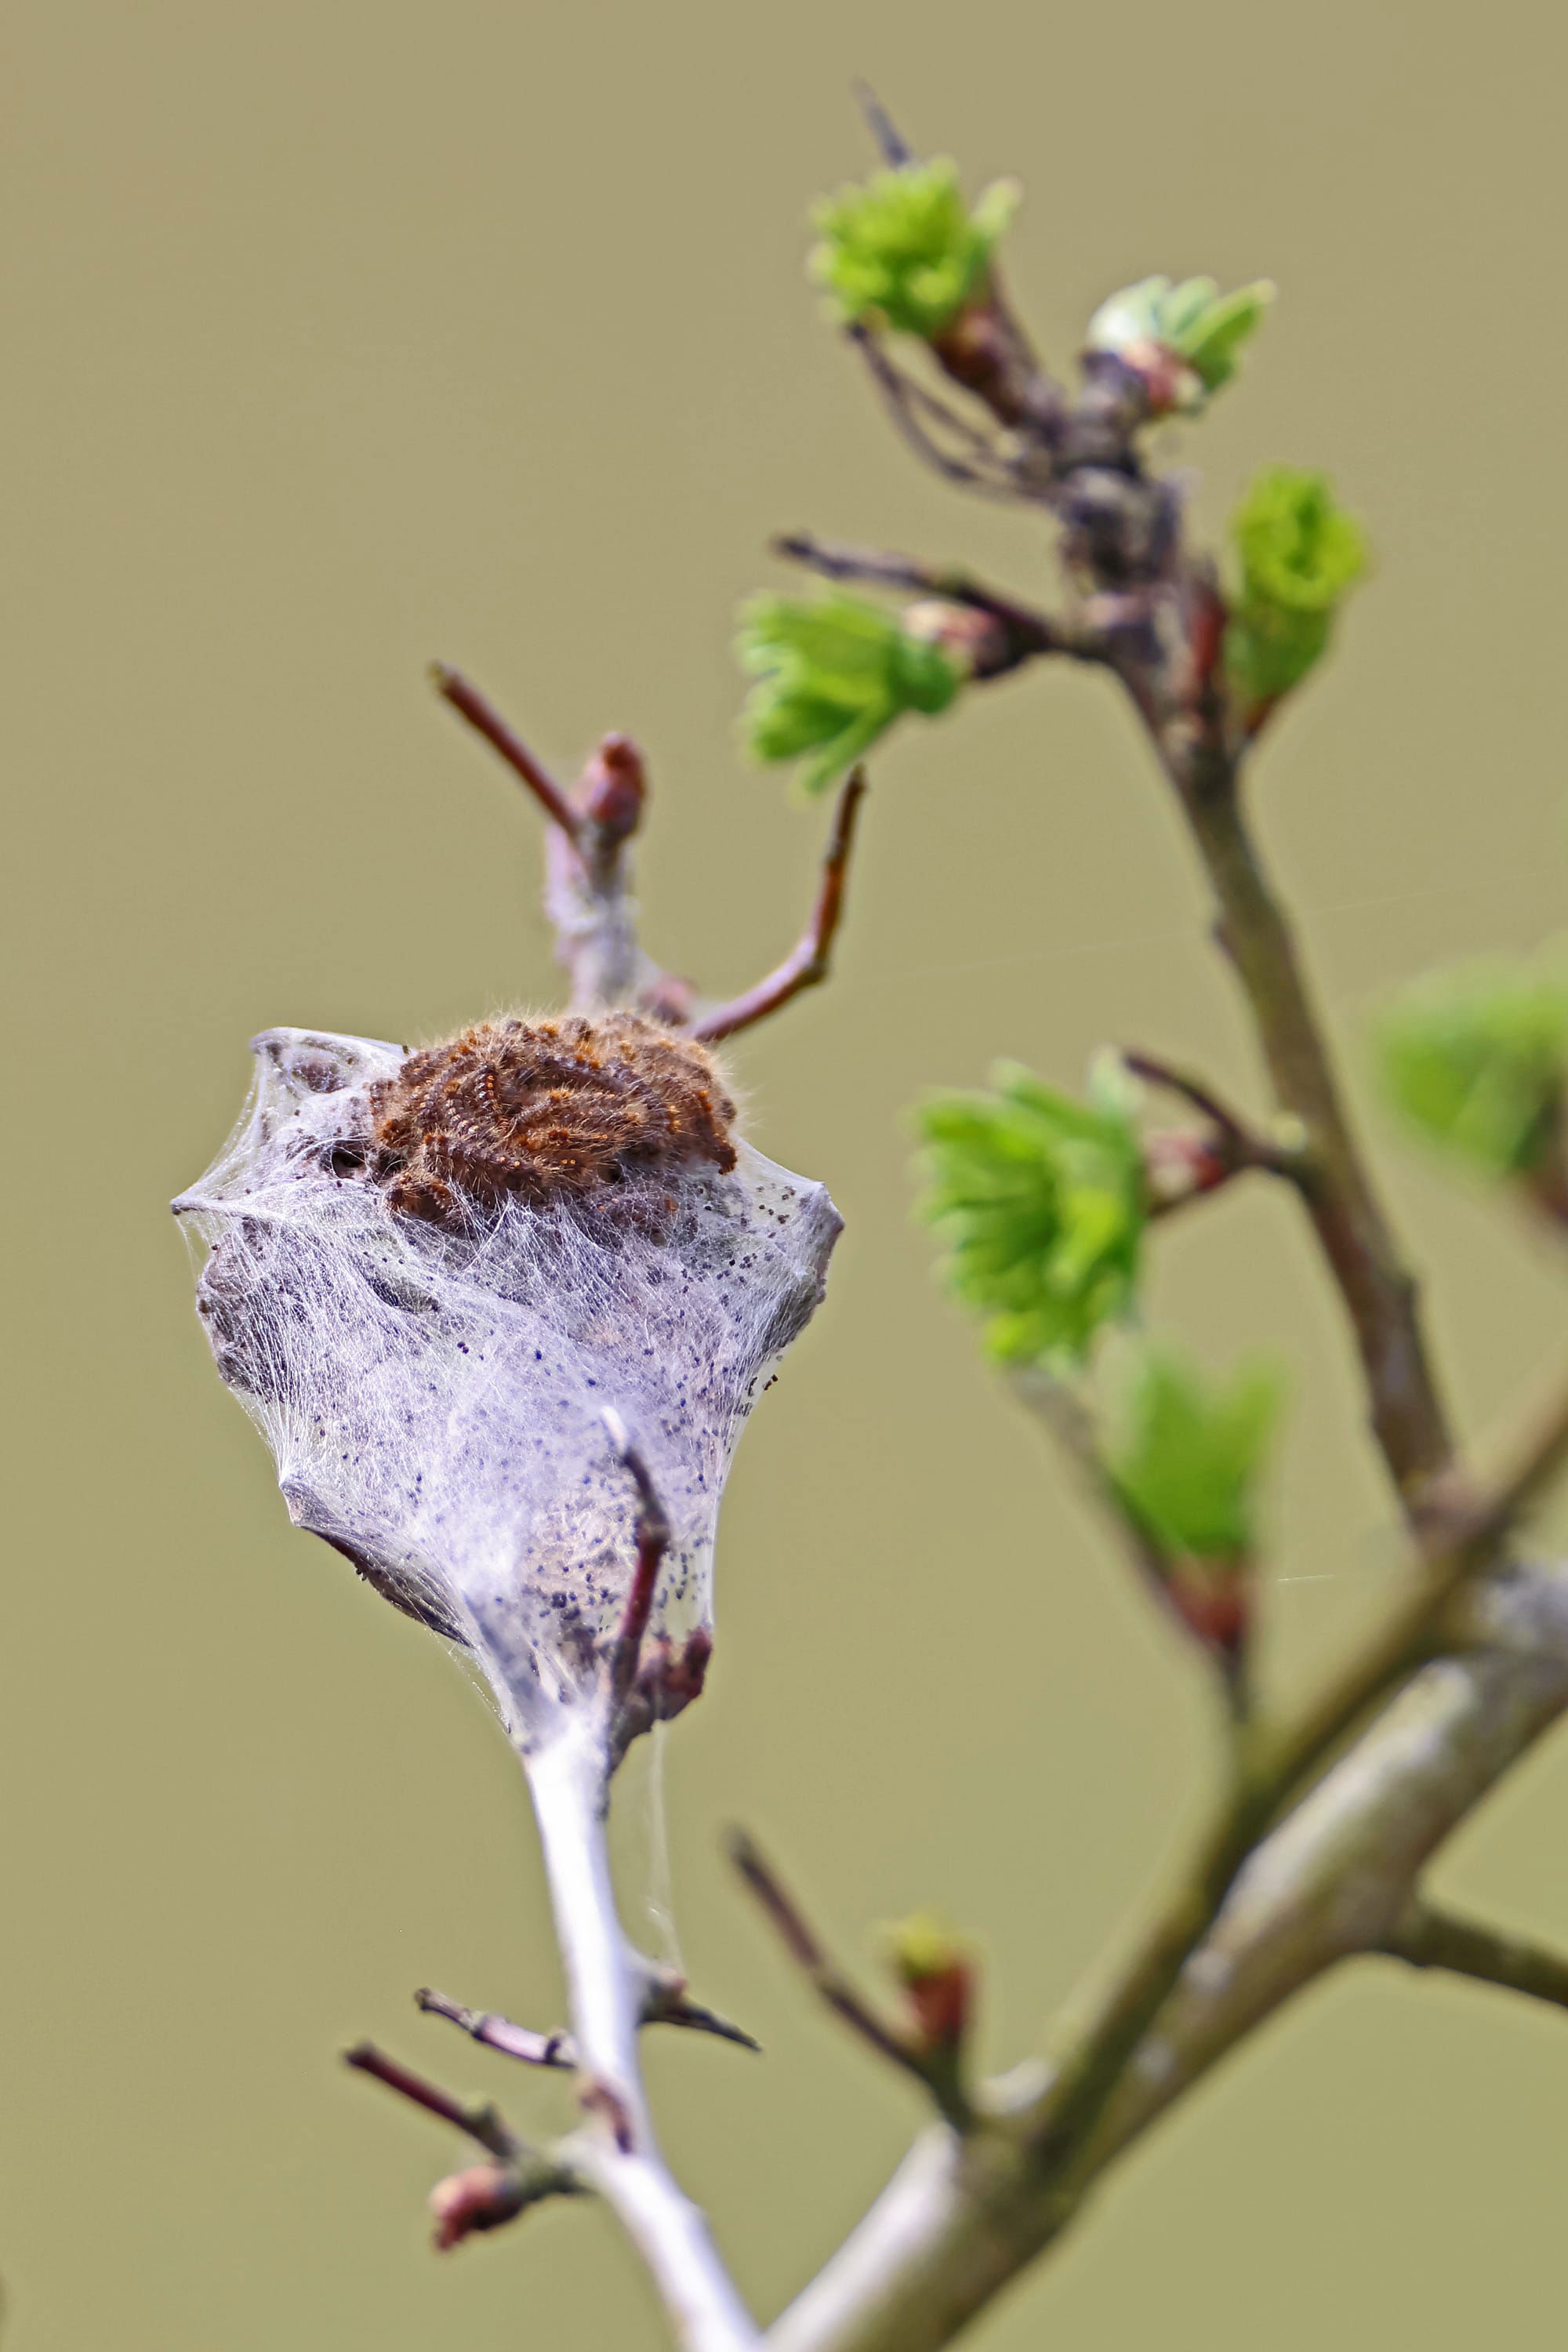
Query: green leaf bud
832,676
903,250
1194,323
1040,1201
1475,1060
1299,554
1185,1454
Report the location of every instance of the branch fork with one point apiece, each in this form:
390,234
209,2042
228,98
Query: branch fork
588,895
1317,1851
486,2195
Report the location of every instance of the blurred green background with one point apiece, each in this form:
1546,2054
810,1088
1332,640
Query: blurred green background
346,335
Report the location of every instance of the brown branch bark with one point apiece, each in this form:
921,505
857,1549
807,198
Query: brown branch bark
1409,1419
480,2122
486,722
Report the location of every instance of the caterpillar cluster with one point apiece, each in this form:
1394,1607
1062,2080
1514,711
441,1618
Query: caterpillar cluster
535,1109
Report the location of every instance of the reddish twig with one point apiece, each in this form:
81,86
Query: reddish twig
808,963
480,2123
828,1981
652,1533
471,705
1242,1145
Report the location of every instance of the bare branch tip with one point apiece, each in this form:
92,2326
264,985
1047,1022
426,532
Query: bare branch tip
892,144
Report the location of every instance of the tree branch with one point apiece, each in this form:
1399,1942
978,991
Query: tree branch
481,2123
1427,1938
835,1989
487,2195
892,144
487,721
650,1533
986,471
1241,1145
1407,1414
810,960
619,2154
1262,1911
962,2217
665,2001
587,863
1028,631
497,2033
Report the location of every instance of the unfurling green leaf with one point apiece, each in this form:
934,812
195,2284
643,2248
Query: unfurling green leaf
1299,554
1477,1059
904,251
1199,325
1185,1454
831,676
1040,1201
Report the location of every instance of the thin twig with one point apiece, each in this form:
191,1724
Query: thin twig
651,1532
1031,631
828,1982
665,2003
898,395
1280,1769
975,438
810,960
674,2007
892,144
1427,1937
498,2032
800,1941
486,721
1063,1412
952,2230
480,2123
1242,1146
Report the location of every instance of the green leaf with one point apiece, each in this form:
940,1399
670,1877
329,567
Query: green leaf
832,676
1299,555
1186,1453
1202,327
904,251
1475,1060
1040,1202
